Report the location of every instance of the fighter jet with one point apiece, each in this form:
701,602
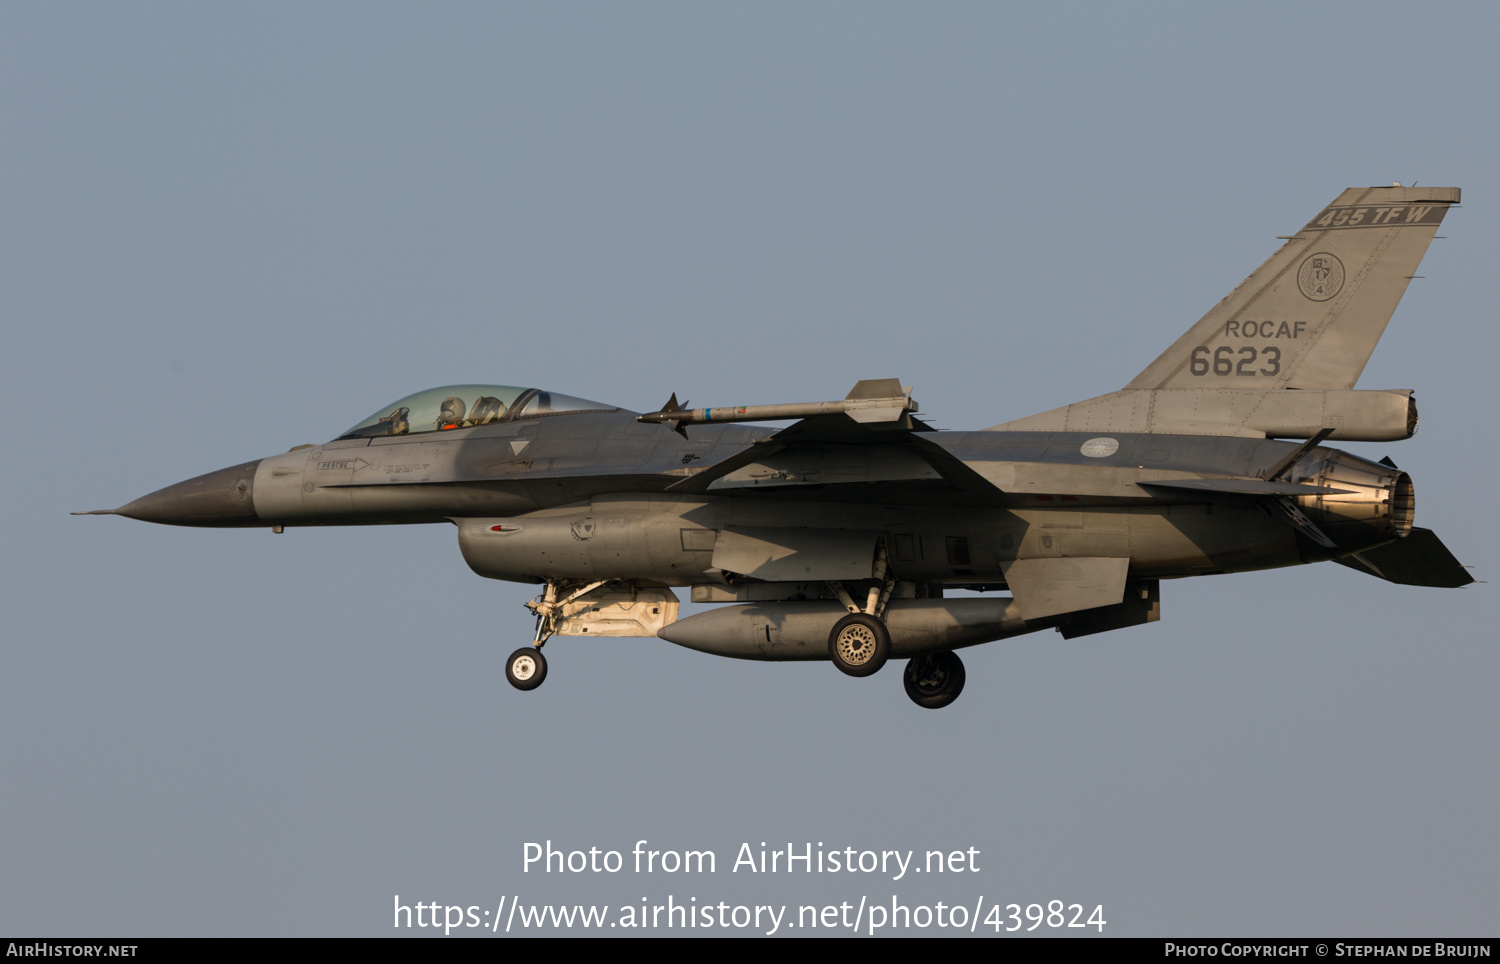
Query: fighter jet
840,537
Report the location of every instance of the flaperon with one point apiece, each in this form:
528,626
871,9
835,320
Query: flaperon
836,537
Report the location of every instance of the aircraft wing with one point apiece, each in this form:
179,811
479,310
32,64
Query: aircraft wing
835,449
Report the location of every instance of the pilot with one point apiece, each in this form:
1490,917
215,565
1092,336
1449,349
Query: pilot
487,408
452,414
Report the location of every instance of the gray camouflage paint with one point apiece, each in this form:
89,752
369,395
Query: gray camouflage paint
1078,511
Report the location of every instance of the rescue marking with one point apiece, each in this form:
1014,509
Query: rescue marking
338,465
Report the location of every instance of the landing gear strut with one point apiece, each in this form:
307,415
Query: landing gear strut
934,681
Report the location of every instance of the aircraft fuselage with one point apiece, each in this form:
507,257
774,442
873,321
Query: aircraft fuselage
1044,498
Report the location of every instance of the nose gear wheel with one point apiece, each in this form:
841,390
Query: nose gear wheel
526,668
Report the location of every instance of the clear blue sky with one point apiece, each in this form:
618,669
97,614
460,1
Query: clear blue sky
231,229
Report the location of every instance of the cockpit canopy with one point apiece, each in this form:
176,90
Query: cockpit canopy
464,406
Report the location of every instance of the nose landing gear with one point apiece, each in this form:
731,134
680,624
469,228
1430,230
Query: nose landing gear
526,668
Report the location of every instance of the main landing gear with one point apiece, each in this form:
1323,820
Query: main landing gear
859,644
934,681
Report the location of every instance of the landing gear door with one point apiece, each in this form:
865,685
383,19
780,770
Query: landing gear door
618,612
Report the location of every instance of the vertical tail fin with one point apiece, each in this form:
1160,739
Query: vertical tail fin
1311,315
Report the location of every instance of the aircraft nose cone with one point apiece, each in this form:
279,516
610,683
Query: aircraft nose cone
222,498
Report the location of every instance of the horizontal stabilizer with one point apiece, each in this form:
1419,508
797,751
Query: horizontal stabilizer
1250,487
1050,587
1420,559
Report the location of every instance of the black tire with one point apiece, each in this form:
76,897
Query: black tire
859,644
526,668
934,681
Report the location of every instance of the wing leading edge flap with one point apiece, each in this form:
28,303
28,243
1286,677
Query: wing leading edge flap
1420,559
1051,587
